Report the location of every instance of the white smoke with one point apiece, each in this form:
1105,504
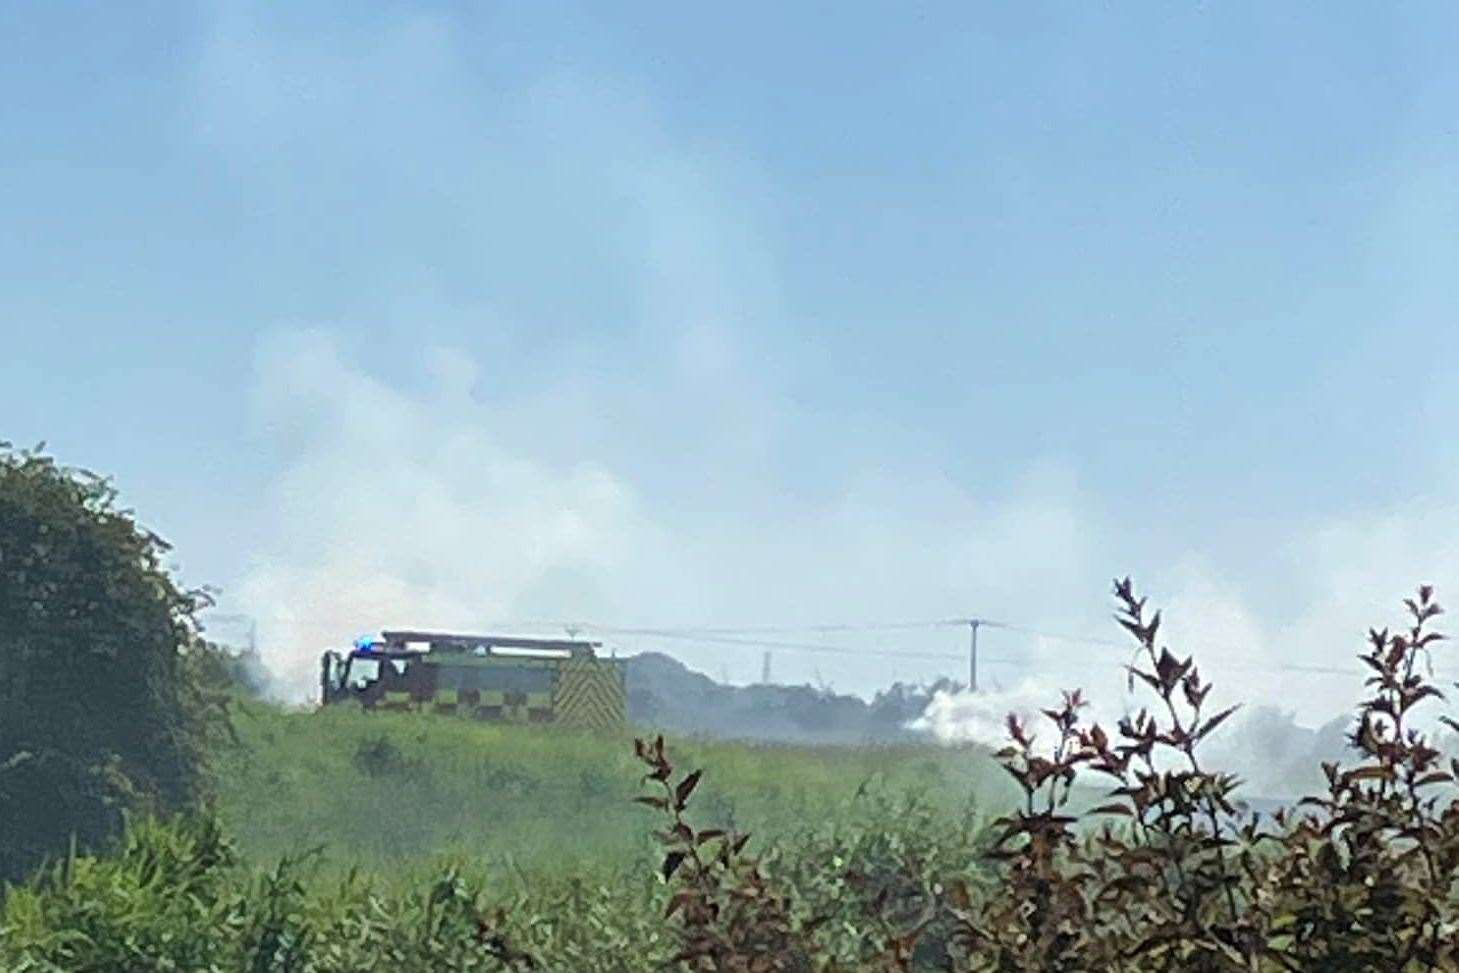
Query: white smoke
982,717
405,504
410,508
658,468
392,510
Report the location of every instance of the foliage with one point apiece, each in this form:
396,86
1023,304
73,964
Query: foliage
728,916
179,896
393,791
1358,878
1167,874
101,704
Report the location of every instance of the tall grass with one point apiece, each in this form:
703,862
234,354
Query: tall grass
343,841
396,791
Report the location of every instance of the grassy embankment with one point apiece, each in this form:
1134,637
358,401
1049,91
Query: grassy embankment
427,827
389,791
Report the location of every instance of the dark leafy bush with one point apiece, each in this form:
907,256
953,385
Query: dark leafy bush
1359,878
102,702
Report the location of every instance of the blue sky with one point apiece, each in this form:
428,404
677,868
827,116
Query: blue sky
835,312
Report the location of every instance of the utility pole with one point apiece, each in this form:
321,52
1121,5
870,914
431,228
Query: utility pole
765,669
973,654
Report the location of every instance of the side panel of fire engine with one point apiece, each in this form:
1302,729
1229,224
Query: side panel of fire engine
590,693
581,691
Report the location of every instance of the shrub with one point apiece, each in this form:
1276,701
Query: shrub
1358,878
1168,875
102,705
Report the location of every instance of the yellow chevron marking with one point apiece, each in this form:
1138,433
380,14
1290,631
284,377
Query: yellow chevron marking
588,694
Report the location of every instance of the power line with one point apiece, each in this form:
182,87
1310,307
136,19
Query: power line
1052,636
956,622
796,629
727,636
1224,666
703,636
692,636
744,636
752,630
703,632
895,626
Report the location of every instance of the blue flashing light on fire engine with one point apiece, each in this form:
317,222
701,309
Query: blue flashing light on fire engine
366,643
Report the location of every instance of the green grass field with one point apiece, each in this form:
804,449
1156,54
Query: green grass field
426,826
389,791
379,841
344,841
